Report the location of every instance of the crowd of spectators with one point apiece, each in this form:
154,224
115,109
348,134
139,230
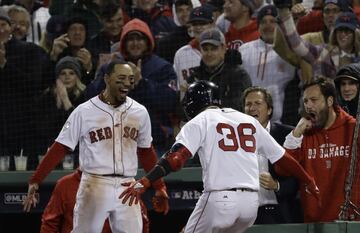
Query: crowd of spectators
53,53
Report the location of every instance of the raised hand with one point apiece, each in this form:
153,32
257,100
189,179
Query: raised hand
60,43
31,199
304,124
134,191
137,72
84,57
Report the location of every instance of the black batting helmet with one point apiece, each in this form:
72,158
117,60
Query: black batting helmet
200,95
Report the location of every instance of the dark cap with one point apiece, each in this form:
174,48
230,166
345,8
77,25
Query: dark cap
266,10
68,62
336,2
349,71
250,4
201,14
4,15
55,26
74,20
212,36
343,4
347,20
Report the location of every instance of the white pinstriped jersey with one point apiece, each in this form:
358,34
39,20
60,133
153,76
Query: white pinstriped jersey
227,142
185,59
108,137
267,69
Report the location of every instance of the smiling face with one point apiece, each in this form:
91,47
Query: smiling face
77,34
256,106
212,55
114,25
119,83
345,39
348,88
267,28
20,24
317,106
136,45
68,78
234,9
183,13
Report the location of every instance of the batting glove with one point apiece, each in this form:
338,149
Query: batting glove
160,201
134,190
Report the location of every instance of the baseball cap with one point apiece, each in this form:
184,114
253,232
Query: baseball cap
336,2
349,71
212,36
4,15
266,10
343,4
201,14
55,26
347,20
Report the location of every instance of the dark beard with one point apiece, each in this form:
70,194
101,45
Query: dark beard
323,118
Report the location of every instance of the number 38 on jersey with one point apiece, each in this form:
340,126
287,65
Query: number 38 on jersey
233,138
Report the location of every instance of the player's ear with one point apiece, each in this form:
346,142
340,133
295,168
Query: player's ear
330,101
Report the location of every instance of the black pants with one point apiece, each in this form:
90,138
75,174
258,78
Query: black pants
269,214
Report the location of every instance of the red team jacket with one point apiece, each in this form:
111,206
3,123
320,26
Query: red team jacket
235,38
58,215
325,155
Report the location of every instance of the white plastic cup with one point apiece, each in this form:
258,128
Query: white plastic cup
68,162
4,163
20,163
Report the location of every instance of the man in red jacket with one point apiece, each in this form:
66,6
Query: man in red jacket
59,212
322,142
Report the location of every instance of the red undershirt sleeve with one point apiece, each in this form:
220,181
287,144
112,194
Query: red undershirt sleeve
52,158
147,158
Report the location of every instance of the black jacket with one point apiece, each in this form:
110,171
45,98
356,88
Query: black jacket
231,78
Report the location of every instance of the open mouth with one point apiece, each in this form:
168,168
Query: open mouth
311,116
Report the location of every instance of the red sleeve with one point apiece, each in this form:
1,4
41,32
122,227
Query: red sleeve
52,158
312,22
147,158
288,165
53,215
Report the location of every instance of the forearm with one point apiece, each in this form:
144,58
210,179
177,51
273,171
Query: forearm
301,48
172,161
293,168
52,158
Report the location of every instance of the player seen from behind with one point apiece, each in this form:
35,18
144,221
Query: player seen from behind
227,142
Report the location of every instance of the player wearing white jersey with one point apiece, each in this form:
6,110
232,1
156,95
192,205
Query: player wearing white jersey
227,143
113,131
